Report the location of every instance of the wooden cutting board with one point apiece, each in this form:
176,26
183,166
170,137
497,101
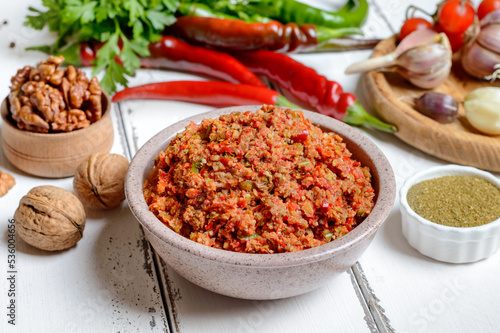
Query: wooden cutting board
392,97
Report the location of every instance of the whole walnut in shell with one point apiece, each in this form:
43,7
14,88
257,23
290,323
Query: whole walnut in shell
50,218
100,179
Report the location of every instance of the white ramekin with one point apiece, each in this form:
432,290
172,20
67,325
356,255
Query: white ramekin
443,243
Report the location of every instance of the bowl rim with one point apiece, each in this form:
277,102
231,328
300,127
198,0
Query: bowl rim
135,176
4,110
441,171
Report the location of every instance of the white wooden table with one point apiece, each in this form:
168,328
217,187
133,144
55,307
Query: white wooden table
112,281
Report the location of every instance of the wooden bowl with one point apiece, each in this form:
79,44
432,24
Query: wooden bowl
55,155
392,97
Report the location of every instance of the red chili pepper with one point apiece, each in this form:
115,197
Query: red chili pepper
172,53
243,36
305,84
88,53
240,35
213,93
301,137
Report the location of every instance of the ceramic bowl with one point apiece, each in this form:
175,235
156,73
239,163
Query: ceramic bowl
444,243
55,155
261,276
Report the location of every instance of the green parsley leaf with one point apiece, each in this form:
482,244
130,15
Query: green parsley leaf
136,10
114,74
42,48
171,5
137,29
159,19
129,53
38,21
124,28
77,11
107,53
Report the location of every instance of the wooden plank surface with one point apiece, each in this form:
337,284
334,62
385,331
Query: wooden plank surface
112,281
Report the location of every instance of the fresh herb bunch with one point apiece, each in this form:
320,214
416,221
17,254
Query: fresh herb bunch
125,27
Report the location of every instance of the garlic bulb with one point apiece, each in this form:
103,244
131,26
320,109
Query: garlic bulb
482,108
481,56
423,58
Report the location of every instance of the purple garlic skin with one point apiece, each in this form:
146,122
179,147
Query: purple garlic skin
443,108
423,58
425,66
481,56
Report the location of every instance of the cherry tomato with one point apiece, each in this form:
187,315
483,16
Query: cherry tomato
455,16
486,7
456,40
412,24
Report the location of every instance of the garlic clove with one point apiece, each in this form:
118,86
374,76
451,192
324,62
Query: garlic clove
484,93
489,38
491,18
484,116
478,61
427,66
482,108
417,38
438,106
481,55
428,80
424,59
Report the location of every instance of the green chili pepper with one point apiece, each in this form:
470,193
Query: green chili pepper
305,163
328,235
196,166
249,237
351,15
203,10
221,9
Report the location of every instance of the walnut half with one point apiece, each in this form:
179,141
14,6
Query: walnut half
50,218
6,183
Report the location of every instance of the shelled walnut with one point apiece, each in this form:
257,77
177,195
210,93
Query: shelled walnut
6,183
48,99
100,179
50,218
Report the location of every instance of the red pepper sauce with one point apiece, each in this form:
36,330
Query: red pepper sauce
259,182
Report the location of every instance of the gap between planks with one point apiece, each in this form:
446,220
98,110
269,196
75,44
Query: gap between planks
130,150
375,316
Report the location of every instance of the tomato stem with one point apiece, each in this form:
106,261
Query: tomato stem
414,9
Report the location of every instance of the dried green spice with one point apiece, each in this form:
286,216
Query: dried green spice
456,201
